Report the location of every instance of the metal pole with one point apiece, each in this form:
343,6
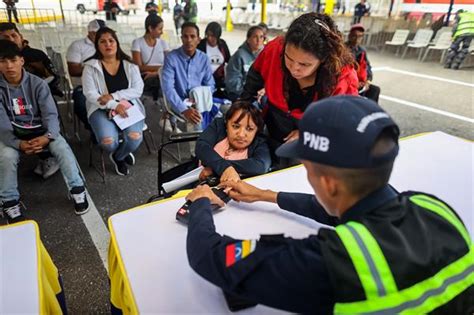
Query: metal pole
62,11
264,11
390,8
34,11
448,16
228,19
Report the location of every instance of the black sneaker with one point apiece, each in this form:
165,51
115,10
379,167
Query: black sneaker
79,197
121,167
130,159
12,211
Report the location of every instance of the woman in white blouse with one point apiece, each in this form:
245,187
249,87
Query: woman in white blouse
112,84
149,51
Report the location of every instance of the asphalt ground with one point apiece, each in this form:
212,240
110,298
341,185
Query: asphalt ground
422,97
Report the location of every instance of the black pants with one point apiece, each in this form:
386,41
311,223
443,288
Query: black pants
80,106
372,93
458,52
10,10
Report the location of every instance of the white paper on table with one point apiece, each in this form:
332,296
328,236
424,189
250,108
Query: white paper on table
183,180
134,116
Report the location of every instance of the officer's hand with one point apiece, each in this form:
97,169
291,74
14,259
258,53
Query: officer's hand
204,191
242,191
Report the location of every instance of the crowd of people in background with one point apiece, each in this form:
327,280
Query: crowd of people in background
195,79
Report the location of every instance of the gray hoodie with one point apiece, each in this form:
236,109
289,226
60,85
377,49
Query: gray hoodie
236,71
29,103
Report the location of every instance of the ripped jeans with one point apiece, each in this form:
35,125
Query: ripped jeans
108,135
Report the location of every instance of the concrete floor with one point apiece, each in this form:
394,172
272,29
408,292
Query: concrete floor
72,243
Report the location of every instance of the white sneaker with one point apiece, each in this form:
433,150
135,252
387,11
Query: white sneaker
50,166
39,168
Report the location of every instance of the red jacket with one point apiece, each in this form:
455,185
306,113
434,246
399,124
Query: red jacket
268,66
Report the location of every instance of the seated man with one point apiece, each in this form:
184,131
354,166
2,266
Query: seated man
39,64
186,68
364,71
29,124
388,253
77,52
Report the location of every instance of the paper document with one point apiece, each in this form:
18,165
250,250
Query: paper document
183,180
134,116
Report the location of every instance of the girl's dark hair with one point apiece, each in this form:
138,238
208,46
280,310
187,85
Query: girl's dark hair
215,29
318,35
98,55
247,109
152,20
253,29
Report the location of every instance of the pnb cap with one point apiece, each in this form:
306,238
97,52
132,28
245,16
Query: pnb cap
340,131
95,25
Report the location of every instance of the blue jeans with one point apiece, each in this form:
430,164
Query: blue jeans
107,134
9,158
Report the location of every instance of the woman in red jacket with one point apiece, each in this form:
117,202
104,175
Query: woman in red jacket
308,64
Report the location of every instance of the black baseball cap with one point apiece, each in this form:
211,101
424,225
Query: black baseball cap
341,131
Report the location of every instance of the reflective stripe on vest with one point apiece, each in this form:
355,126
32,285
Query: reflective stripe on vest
382,295
368,259
465,25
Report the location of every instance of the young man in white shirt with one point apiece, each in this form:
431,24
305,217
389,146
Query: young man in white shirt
77,52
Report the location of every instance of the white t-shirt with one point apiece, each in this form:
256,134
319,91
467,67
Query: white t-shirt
158,57
215,57
77,52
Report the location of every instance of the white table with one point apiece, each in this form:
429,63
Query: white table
28,277
148,264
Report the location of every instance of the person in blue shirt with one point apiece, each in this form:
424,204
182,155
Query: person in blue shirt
186,68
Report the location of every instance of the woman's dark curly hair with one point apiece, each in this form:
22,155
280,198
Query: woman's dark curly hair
318,35
121,55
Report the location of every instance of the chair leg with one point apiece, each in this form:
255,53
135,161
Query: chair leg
443,54
426,54
102,164
405,52
100,170
146,142
153,142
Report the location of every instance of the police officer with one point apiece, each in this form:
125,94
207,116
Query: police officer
390,252
463,33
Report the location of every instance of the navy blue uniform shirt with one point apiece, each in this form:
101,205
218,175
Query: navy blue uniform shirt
280,272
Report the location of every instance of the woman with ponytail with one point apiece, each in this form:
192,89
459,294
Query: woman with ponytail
308,64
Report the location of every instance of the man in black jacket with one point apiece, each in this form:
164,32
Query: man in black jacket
389,253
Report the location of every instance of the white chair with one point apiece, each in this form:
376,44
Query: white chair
422,39
375,30
442,44
398,40
173,118
439,32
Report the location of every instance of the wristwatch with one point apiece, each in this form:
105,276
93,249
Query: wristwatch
49,135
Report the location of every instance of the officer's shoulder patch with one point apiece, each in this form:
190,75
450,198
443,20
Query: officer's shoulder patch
239,250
